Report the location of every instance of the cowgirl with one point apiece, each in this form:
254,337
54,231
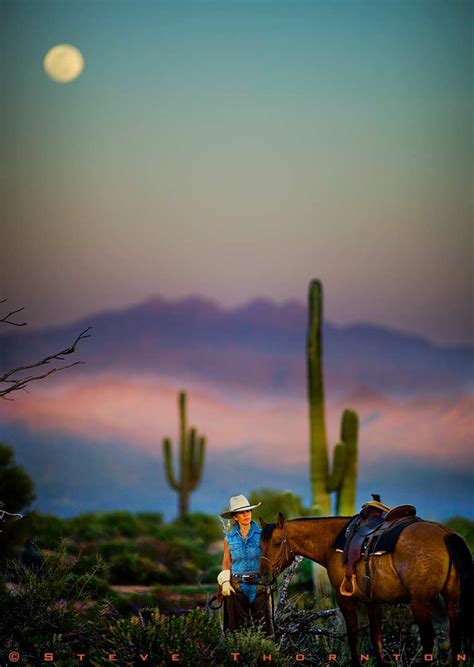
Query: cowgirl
246,602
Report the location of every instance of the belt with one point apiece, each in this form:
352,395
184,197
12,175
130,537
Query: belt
247,577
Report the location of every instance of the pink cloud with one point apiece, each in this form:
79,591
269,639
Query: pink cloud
141,410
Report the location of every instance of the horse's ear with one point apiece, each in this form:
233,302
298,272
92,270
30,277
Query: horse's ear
262,522
281,520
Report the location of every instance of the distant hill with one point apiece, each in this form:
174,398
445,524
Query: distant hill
96,444
260,345
74,475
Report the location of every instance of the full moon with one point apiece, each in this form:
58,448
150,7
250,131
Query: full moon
63,63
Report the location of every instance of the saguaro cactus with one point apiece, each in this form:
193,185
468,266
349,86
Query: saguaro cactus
191,458
342,478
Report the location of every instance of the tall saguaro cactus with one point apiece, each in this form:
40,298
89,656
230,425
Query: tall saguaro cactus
342,477
191,458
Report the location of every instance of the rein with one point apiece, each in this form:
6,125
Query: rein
285,553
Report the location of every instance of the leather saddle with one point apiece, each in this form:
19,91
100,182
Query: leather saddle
366,535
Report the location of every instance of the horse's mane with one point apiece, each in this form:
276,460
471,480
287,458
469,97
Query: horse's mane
267,530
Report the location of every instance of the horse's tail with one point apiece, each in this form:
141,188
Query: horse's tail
461,558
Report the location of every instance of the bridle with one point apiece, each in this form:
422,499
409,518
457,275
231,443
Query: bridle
286,553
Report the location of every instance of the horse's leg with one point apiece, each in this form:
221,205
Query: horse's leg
375,620
455,630
455,625
421,610
349,611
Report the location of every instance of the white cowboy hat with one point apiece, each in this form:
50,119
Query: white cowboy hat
238,504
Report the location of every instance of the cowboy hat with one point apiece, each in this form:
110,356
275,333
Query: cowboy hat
238,504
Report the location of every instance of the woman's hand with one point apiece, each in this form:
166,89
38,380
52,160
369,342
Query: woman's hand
223,579
227,588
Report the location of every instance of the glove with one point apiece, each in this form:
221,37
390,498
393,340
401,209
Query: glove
227,588
223,580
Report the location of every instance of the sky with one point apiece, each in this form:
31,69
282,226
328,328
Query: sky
95,444
240,149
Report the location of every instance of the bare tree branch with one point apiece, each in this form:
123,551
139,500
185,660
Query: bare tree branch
20,383
293,625
5,319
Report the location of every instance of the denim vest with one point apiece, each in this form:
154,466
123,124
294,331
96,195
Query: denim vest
245,555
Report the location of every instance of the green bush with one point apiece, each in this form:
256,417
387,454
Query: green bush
195,637
209,576
50,608
46,530
112,548
119,524
171,553
16,494
148,522
92,586
198,525
86,528
131,569
85,563
465,528
251,646
277,501
149,547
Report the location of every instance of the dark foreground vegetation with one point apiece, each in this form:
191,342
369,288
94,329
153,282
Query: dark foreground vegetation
136,588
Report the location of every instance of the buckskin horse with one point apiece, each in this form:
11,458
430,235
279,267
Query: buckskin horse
428,560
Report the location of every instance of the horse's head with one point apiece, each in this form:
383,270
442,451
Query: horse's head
275,550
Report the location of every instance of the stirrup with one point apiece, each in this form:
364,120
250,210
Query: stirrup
343,590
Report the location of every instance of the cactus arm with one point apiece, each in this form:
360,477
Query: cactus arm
192,455
347,493
338,468
169,464
198,462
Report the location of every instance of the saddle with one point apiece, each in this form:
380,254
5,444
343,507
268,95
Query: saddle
374,531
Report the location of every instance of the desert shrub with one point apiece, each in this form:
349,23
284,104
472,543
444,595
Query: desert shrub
46,530
209,576
204,527
119,524
465,528
91,586
148,522
186,559
149,547
277,501
112,548
16,494
195,637
86,528
168,532
130,568
251,645
90,527
49,608
85,563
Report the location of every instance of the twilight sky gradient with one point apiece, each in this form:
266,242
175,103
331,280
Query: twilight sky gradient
237,149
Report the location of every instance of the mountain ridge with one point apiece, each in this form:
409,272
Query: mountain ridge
260,343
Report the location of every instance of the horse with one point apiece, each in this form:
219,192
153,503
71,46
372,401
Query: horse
429,559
